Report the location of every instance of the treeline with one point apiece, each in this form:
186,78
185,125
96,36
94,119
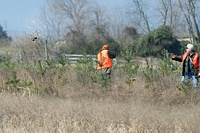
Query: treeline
82,26
5,40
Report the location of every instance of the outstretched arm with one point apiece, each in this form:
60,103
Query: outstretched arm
176,57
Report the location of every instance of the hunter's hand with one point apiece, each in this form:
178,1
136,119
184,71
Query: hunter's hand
199,75
172,55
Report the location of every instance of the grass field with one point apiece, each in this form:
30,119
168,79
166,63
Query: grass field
43,98
103,115
70,104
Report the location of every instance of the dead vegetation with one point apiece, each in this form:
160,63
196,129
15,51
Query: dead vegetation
68,99
47,97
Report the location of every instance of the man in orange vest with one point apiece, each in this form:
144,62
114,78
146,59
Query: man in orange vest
190,63
104,62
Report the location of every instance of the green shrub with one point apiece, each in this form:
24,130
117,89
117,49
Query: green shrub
85,69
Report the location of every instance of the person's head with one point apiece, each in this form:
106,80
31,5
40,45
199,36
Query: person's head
105,46
190,47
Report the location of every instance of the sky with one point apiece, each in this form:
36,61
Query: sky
16,15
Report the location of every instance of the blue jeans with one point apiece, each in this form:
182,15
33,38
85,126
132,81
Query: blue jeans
190,76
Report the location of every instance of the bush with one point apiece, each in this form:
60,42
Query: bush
153,43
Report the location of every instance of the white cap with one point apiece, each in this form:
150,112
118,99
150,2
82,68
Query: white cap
190,46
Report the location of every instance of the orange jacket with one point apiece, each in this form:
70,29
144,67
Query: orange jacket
104,60
195,60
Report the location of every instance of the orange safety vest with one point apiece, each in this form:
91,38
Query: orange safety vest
104,60
195,60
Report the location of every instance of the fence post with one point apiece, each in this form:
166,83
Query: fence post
46,51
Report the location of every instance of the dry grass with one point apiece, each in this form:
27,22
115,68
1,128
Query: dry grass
94,115
73,107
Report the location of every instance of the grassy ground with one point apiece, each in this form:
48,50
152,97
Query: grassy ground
103,115
57,99
68,100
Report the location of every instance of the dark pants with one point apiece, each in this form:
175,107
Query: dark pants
105,72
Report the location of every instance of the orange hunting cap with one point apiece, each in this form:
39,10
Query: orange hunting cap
105,46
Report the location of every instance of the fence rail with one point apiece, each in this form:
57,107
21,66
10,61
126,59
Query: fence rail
74,57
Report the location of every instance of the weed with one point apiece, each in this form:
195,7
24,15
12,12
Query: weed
84,69
128,55
166,64
185,87
62,60
42,68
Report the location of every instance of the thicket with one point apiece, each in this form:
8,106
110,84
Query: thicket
153,43
149,45
5,40
57,76
160,77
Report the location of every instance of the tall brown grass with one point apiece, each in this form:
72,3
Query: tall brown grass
61,102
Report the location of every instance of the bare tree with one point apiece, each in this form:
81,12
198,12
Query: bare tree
170,14
119,23
187,17
98,22
60,17
52,22
77,12
66,20
176,19
189,10
139,10
192,12
165,4
166,11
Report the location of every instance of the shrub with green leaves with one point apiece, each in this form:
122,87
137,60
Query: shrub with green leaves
62,60
128,55
161,77
85,69
166,64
